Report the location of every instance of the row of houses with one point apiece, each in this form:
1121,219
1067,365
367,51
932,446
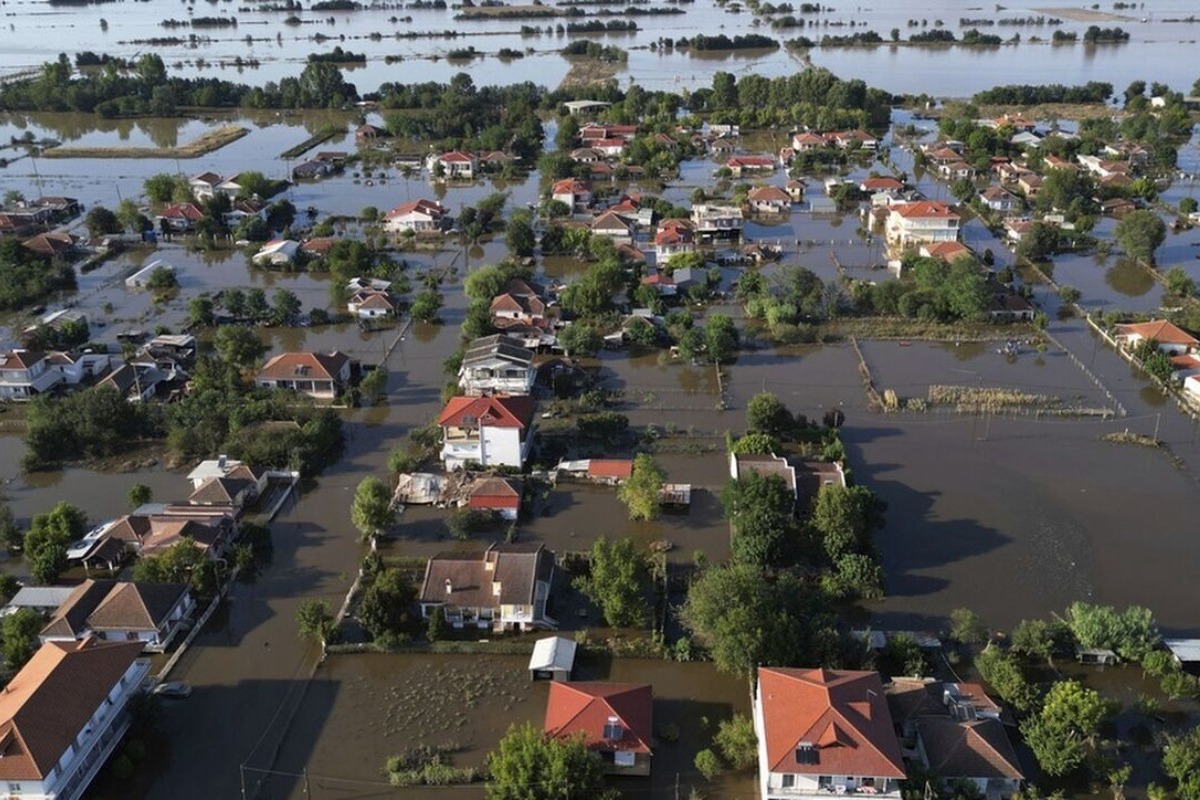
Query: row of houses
26,218
156,371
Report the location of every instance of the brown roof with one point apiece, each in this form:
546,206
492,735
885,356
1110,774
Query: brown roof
70,619
977,748
166,532
285,366
131,529
518,568
587,707
136,606
768,194
493,492
840,715
46,705
20,359
621,468
924,209
765,465
218,491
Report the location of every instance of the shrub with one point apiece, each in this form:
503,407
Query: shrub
708,763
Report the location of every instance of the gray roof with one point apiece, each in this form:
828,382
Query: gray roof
497,346
553,653
41,596
1186,650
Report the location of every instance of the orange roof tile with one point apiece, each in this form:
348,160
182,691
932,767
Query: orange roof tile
586,707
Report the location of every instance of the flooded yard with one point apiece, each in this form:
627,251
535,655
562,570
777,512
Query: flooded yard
364,708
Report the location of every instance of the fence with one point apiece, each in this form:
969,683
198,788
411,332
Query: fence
1120,409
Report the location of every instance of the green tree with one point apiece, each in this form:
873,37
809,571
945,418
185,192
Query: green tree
238,346
519,236
160,188
766,413
1188,205
285,306
139,495
49,536
1130,634
616,581
1002,672
967,627
708,764
314,620
1179,283
200,312
720,338
760,509
579,339
182,562
1036,638
1040,242
20,634
1181,762
1067,724
100,221
640,493
374,386
131,217
426,305
844,517
386,604
756,444
437,628
11,536
529,765
736,740
371,511
1140,233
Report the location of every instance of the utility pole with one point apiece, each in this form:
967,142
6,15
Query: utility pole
1157,419
242,775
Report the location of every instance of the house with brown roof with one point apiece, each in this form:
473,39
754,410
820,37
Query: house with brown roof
610,225
494,494
1170,338
519,302
455,164
999,199
674,236
958,733
946,252
496,364
742,465
769,200
610,470
823,732
614,720
576,194
1008,306
489,431
503,588
319,375
64,713
54,244
750,165
370,304
151,613
179,217
25,374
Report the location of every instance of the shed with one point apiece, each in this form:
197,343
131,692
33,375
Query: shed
1186,651
142,277
40,598
553,658
1096,655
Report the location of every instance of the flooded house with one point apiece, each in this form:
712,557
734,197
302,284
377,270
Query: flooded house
822,732
64,714
921,222
614,720
573,192
489,431
1170,338
769,200
418,216
496,364
371,304
455,164
322,376
179,217
713,221
151,613
742,465
740,166
504,588
25,374
674,237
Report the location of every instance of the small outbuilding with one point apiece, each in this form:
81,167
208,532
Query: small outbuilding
1186,651
553,658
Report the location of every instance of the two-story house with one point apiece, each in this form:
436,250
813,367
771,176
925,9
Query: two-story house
503,588
489,431
26,373
824,732
674,236
150,613
319,375
769,200
576,194
64,714
419,216
718,222
910,224
496,364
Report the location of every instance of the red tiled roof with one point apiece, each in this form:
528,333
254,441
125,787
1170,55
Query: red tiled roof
20,359
422,206
586,707
924,209
881,185
188,211
841,714
751,161
619,468
515,411
456,156
493,493
768,194
1160,330
947,251
569,186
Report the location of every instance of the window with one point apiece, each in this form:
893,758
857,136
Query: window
789,781
14,788
825,781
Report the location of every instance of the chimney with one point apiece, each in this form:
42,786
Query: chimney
449,586
495,588
222,460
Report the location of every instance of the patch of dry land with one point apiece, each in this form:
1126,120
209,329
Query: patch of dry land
213,140
1084,14
587,72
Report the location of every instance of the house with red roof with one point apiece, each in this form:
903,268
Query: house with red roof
455,164
494,494
674,236
318,375
1170,338
823,732
420,216
574,192
805,141
945,251
64,713
925,221
615,720
750,165
610,470
179,216
489,431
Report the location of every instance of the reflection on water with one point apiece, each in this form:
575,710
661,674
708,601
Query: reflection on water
1128,278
